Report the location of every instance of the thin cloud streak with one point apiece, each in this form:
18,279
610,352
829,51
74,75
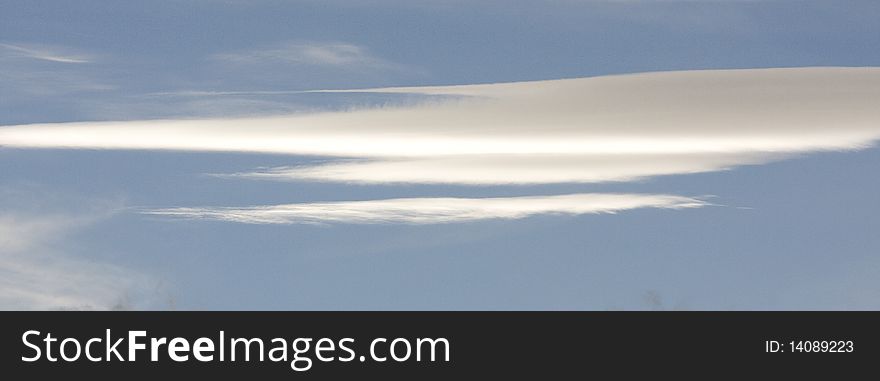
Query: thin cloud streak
199,93
326,54
432,210
508,169
43,53
615,128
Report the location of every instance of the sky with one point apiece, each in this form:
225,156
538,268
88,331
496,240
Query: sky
440,155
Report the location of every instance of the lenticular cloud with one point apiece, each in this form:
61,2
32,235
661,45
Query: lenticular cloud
615,128
586,130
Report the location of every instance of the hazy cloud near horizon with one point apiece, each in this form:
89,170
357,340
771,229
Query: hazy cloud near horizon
39,266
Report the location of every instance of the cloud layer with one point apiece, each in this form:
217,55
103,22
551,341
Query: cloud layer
615,128
433,210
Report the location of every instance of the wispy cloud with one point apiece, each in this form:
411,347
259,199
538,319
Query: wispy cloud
43,52
332,54
615,128
433,210
508,169
45,76
203,93
36,272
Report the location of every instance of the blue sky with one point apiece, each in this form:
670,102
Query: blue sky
789,226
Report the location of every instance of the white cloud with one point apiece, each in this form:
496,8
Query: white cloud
19,233
433,210
38,271
614,128
332,54
507,169
42,52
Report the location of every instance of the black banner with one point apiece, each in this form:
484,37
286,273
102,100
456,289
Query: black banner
328,345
